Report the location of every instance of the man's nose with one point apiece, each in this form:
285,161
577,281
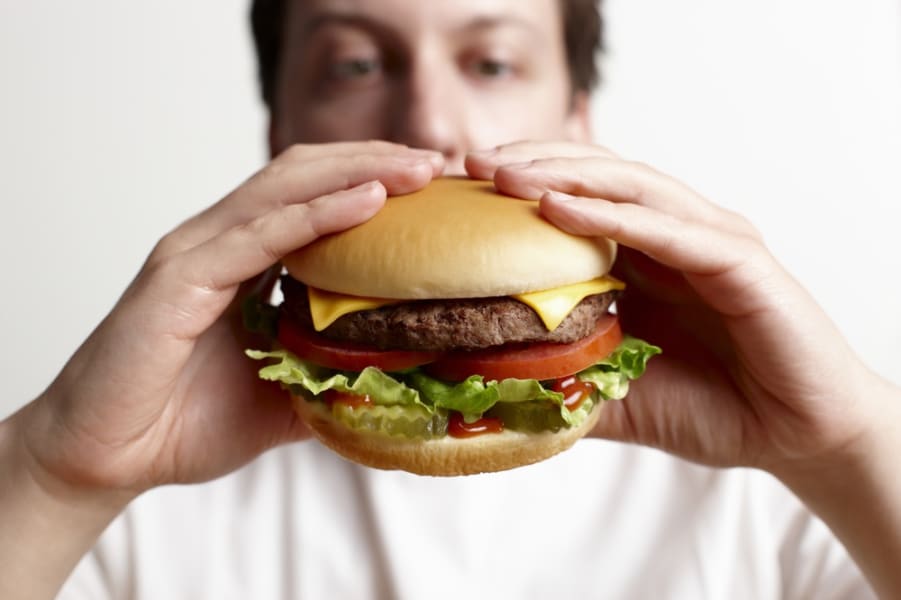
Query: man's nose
428,113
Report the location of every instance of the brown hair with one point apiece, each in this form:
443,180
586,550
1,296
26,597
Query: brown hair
582,28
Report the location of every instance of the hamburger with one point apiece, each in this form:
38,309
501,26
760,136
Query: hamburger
456,332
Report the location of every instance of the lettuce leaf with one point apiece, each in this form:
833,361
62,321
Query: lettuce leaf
300,375
611,376
472,397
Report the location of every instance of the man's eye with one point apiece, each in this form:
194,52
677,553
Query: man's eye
491,68
357,68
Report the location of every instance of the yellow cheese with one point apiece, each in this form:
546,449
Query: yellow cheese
555,304
552,305
327,307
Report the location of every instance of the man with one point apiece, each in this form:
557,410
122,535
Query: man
161,392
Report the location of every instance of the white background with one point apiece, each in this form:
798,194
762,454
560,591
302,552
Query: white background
120,119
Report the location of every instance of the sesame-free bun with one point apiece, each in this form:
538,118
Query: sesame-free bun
456,238
446,456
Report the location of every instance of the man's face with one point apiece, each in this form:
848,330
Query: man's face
449,75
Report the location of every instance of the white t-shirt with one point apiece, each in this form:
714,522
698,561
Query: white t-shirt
603,520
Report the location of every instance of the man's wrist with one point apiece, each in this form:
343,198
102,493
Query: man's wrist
864,458
856,491
46,525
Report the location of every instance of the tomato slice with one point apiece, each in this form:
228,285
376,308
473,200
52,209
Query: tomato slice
531,361
346,356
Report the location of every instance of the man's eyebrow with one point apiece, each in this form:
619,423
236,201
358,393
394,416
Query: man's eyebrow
326,18
498,22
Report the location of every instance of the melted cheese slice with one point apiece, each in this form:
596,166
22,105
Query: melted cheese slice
555,304
552,306
328,307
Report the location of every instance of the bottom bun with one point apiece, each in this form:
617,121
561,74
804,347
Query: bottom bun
447,456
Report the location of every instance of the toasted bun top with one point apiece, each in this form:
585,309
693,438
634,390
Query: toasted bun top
456,238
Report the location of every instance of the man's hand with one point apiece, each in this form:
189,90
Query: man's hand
161,392
752,372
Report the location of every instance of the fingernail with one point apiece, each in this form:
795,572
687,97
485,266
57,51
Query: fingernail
558,196
486,153
435,158
520,165
369,186
415,161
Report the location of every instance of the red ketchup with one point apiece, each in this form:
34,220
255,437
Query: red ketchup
352,400
458,428
574,390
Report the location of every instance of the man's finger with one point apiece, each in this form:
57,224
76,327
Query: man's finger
727,270
484,164
618,181
202,280
295,182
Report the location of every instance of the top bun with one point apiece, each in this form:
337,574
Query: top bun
456,238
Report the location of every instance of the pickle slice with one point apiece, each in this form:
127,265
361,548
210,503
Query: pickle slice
530,417
536,416
413,422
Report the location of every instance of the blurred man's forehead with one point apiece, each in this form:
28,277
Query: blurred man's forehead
533,16
451,75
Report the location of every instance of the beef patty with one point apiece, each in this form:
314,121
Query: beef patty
443,325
